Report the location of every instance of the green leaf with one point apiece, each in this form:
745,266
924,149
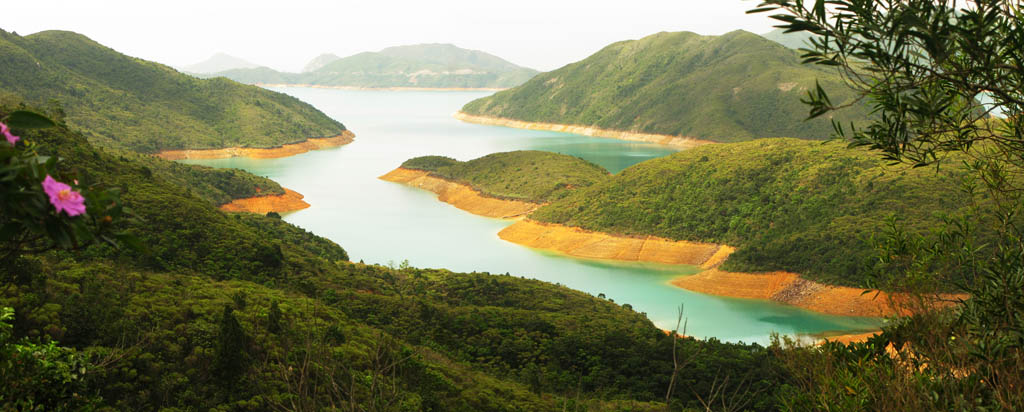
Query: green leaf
23,119
819,9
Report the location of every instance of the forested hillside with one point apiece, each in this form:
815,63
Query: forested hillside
126,103
786,204
734,87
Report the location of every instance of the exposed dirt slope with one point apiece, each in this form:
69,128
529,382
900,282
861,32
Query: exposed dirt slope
290,201
342,139
461,196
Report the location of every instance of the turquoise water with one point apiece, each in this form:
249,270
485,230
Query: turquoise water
383,222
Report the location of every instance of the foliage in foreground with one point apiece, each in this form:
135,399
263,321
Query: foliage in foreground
921,65
528,175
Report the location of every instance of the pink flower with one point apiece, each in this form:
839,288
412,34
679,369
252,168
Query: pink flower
6,131
63,198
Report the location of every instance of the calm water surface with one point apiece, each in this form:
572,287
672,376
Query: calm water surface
383,222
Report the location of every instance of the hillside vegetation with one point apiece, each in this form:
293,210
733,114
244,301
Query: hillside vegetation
734,87
219,186
786,204
424,65
127,103
247,312
529,175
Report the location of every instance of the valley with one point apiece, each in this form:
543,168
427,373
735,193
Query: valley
382,222
826,216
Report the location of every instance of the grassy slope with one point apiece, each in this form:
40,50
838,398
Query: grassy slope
788,204
470,341
726,88
532,176
127,103
403,66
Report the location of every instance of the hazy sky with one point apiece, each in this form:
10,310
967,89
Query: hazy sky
285,34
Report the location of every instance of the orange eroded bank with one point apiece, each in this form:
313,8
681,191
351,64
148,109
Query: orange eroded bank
292,149
782,287
290,201
460,195
791,289
681,142
595,245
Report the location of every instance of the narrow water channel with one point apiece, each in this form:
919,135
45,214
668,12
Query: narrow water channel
382,222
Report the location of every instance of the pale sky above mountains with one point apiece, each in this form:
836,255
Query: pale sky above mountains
284,35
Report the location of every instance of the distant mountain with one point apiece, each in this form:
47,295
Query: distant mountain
452,56
738,86
791,40
123,102
217,63
258,75
424,65
320,61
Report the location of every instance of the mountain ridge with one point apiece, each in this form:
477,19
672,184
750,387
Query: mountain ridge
429,65
123,102
734,87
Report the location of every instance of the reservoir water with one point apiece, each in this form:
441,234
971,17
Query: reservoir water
387,223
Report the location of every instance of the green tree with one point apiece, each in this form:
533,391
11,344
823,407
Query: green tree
40,376
934,72
922,65
274,318
231,354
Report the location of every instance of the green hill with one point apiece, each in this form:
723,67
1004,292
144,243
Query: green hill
218,186
787,204
533,176
127,103
256,75
247,312
424,65
734,87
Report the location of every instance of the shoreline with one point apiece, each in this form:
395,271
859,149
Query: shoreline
290,201
389,89
848,338
679,142
790,289
779,287
286,150
460,195
577,242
